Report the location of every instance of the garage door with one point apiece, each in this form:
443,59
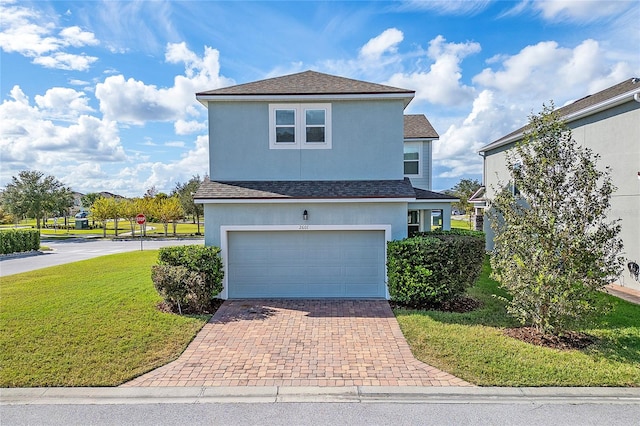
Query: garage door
306,264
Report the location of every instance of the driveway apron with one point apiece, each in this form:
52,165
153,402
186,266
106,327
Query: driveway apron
299,343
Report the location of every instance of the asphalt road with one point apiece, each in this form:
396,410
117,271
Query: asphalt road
378,413
73,250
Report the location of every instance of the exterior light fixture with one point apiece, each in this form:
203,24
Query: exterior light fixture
305,215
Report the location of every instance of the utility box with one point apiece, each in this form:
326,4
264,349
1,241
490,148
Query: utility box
81,220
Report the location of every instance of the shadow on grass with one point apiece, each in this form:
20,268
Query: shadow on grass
617,332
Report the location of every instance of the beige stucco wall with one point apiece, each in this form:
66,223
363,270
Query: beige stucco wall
615,135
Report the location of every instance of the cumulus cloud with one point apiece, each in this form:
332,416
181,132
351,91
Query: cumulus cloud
33,135
62,102
456,151
32,34
134,102
547,70
183,127
441,83
195,161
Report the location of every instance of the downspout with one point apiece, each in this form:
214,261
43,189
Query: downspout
636,97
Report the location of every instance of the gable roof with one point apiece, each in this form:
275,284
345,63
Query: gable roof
590,104
304,189
417,126
305,84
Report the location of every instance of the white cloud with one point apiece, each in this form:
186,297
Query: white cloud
183,127
165,175
441,84
66,61
457,148
62,102
77,37
548,71
32,136
387,42
32,34
132,101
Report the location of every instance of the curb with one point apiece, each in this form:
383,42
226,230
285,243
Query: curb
349,394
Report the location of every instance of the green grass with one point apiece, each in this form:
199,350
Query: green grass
472,346
90,323
153,229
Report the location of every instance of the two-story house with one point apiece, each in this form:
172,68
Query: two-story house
310,175
608,123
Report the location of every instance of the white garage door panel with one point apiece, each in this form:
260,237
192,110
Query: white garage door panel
306,264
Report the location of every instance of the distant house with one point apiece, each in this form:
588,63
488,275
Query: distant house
608,122
310,175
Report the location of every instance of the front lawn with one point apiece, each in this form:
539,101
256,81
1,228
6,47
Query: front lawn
473,347
89,323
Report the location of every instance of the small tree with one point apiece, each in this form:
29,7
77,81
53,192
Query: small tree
102,210
185,192
463,191
168,210
554,246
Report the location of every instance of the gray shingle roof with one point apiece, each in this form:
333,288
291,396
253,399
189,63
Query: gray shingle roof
305,189
417,126
423,194
627,86
306,83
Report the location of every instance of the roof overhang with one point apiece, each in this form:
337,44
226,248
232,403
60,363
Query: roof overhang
585,112
204,99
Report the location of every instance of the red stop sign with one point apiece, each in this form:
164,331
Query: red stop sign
141,219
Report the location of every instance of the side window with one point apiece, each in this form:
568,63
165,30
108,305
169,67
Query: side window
412,160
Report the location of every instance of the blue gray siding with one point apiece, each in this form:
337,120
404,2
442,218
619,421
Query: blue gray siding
366,144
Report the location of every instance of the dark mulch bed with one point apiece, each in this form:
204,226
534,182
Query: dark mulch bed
568,340
459,305
215,304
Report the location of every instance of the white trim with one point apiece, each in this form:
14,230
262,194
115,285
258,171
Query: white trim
301,200
224,241
204,99
300,126
420,148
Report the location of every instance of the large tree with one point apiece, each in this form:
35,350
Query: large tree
34,195
555,247
185,192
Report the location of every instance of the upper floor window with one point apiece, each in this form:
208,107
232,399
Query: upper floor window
412,165
300,126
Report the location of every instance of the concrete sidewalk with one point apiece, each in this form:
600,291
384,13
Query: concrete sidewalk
626,293
272,394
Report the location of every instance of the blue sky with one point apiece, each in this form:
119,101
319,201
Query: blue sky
100,94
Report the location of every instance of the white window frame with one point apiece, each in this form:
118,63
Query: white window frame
300,126
418,145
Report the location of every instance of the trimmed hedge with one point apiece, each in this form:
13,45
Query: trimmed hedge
19,240
434,267
188,277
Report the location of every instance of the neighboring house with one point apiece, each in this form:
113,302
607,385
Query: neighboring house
308,181
608,122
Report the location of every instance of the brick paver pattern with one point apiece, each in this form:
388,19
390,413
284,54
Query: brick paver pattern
299,343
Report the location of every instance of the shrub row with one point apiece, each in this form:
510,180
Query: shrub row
188,277
19,240
434,267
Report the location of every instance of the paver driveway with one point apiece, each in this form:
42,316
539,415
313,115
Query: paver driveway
299,343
